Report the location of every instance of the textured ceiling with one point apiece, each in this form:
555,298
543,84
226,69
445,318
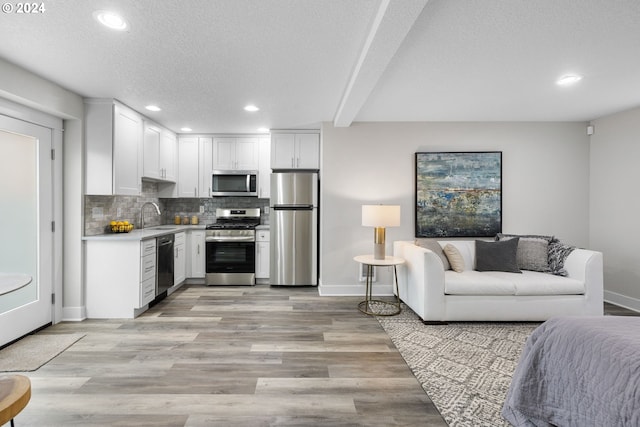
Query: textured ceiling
307,61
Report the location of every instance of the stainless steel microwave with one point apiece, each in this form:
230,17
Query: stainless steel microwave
234,183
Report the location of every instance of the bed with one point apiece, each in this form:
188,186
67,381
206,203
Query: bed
578,371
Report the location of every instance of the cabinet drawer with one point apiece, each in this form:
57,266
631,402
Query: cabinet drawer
148,247
262,235
148,267
180,239
147,291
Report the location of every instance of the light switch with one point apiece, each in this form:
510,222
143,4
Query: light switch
97,213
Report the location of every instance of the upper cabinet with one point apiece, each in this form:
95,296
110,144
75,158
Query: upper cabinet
159,153
194,166
113,135
295,150
231,153
264,168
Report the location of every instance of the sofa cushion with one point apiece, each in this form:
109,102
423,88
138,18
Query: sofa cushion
455,258
537,283
533,251
433,245
473,282
497,256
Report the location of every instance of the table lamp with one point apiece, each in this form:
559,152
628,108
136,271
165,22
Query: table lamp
380,216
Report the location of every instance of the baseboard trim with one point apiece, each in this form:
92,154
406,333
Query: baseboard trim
74,314
622,300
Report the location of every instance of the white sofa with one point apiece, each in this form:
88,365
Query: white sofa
437,295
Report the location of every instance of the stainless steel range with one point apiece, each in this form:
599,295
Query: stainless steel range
231,247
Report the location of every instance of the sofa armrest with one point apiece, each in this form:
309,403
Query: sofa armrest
587,266
421,280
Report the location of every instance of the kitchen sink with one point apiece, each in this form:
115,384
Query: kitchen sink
161,227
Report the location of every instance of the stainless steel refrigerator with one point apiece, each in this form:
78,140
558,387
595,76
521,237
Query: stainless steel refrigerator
294,229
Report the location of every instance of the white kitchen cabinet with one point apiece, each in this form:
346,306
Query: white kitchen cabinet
180,258
262,254
194,166
159,153
113,137
264,168
120,277
205,165
188,178
238,153
147,272
295,151
197,254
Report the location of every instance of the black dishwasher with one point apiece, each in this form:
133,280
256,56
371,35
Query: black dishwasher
164,264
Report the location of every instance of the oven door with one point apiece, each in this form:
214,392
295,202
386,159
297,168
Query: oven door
230,262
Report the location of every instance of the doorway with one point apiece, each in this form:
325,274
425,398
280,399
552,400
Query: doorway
26,221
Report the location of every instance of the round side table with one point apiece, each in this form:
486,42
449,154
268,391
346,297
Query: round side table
15,393
367,306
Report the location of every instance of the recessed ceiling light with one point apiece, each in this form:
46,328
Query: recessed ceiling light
185,129
568,79
111,20
153,108
251,108
263,129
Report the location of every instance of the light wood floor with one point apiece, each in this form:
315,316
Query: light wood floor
231,356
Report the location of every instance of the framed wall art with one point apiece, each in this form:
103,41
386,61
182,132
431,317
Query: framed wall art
458,194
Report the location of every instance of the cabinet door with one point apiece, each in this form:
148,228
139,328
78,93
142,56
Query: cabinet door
127,141
264,168
282,151
307,151
205,166
151,152
168,148
187,171
247,154
198,256
179,264
224,153
262,254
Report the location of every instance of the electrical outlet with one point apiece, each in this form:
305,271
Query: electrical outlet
201,209
119,214
266,209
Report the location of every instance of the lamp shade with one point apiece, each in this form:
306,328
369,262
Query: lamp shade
380,215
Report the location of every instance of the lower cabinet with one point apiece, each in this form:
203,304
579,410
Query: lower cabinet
180,258
262,254
197,255
120,277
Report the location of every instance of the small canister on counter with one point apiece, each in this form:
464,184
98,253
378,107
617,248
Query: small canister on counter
185,220
177,220
194,220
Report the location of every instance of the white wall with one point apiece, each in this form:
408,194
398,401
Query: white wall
614,204
545,183
27,89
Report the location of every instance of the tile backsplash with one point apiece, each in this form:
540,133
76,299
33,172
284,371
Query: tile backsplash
99,211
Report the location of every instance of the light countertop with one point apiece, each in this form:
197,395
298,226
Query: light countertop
146,233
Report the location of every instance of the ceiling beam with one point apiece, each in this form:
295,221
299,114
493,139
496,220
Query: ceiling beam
389,28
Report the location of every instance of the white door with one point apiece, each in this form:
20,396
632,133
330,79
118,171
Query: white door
26,214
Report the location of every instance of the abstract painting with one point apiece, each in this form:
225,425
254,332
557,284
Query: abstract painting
458,194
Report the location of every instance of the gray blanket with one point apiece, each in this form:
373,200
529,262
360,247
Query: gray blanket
578,371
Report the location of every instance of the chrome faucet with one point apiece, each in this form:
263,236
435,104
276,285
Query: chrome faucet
155,205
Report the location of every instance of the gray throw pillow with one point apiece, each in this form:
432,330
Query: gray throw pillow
434,246
533,251
497,256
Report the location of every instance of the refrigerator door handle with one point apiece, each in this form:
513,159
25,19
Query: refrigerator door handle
292,207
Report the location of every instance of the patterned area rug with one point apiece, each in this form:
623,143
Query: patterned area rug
464,367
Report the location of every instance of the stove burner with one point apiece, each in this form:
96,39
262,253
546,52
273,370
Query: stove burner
235,219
